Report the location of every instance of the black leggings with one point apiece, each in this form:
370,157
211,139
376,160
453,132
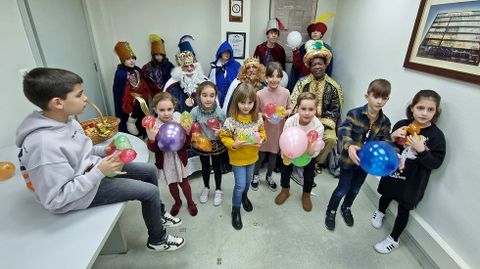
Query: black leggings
402,216
271,160
216,165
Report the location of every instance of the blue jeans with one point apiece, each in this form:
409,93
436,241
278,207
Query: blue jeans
243,175
349,184
140,183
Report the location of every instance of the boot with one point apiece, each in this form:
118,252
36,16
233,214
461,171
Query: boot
282,196
247,205
236,218
306,202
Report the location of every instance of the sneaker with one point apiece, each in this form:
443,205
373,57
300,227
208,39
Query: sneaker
297,176
271,183
204,196
386,246
377,219
218,200
330,220
255,182
171,243
170,221
347,216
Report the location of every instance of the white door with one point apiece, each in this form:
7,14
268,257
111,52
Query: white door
63,41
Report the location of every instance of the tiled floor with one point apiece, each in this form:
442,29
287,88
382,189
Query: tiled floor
273,236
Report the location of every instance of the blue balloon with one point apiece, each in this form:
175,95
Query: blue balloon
378,158
171,137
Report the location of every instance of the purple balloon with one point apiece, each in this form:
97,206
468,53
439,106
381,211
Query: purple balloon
171,137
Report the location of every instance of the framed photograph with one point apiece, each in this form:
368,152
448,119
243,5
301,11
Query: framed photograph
237,40
446,40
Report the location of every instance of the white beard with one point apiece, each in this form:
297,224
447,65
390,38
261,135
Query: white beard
189,83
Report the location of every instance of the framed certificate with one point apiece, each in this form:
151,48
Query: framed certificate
236,10
237,40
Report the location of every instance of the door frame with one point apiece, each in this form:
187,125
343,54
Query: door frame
39,57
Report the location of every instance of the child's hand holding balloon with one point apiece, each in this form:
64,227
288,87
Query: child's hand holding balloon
152,132
352,153
417,143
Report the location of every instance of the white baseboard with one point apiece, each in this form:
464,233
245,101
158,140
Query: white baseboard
424,243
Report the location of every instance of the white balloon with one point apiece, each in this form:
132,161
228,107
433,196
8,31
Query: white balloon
294,39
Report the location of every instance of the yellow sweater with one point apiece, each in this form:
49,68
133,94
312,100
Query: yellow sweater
239,128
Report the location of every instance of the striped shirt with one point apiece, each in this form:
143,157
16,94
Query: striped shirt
357,130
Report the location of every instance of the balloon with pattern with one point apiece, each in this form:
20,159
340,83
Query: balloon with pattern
149,121
186,120
378,158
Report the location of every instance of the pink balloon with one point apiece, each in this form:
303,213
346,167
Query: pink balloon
312,136
269,109
149,121
319,145
127,155
293,142
213,123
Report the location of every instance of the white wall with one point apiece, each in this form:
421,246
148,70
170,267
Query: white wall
170,19
15,54
370,40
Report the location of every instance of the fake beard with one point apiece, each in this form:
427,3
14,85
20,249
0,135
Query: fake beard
190,80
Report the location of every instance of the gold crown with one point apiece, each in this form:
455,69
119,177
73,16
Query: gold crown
251,60
185,58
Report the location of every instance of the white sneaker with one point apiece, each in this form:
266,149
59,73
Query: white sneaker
218,200
204,195
171,243
255,182
386,246
170,221
297,175
377,219
131,127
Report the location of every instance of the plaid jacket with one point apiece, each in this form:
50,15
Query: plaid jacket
355,131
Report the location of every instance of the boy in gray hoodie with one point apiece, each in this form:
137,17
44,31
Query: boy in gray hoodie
65,172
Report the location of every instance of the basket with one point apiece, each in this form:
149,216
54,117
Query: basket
100,129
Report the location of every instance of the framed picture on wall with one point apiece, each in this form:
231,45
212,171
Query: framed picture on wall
446,40
237,40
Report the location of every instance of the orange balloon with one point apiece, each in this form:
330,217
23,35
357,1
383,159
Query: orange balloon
412,128
7,170
203,143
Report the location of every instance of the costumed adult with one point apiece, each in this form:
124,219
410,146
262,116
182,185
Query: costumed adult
328,92
127,84
316,31
252,72
157,71
186,77
224,70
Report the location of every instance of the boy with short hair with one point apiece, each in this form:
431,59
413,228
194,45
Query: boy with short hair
363,124
66,172
270,50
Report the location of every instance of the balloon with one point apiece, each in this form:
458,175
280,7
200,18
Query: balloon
196,128
171,137
122,142
294,39
114,151
302,161
312,136
281,111
149,121
203,143
251,139
7,170
413,129
243,137
213,123
186,120
258,137
269,109
286,161
378,158
293,142
274,119
127,155
319,145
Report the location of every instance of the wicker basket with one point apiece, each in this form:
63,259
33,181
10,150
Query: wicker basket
100,129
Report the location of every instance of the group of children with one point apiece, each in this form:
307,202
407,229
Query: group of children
71,175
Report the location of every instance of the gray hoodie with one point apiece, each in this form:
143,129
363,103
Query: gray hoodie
61,162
